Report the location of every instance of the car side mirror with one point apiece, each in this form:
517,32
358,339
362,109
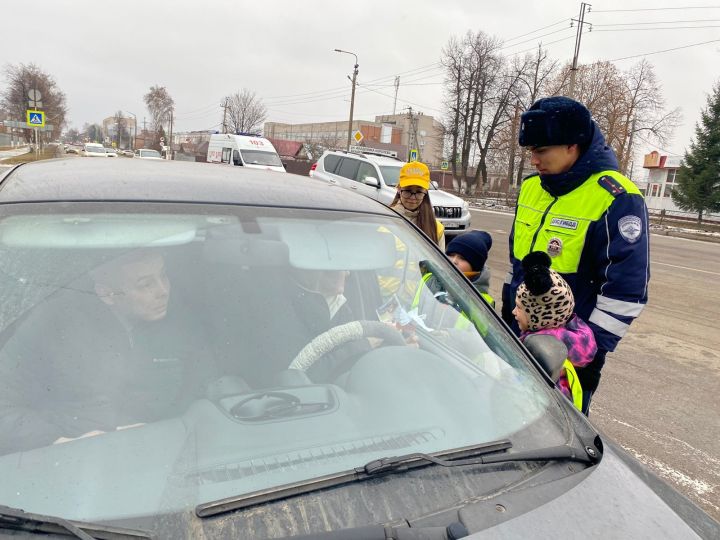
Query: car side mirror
549,352
371,181
434,184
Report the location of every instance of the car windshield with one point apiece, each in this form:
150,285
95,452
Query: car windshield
258,157
191,353
94,148
150,153
391,174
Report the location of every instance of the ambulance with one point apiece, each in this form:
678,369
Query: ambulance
244,150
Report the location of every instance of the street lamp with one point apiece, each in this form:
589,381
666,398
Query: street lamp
352,98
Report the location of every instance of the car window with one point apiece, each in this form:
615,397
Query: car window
348,168
391,174
330,162
258,157
196,341
365,170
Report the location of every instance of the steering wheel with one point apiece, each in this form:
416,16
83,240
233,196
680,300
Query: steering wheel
334,337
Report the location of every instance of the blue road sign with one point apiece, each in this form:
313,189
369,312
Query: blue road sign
413,155
35,118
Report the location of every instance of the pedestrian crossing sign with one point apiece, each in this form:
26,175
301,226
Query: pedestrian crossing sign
35,118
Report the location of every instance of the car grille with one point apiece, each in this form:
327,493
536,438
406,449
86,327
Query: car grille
447,211
309,458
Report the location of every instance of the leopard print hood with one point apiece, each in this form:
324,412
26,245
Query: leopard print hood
545,296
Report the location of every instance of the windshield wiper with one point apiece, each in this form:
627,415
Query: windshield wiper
17,519
552,453
345,477
481,454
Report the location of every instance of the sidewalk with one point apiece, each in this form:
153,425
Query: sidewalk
5,154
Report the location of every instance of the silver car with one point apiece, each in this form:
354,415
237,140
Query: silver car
376,176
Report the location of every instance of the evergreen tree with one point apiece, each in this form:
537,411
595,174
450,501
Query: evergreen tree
698,182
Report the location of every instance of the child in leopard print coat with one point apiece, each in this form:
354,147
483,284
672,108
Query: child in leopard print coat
545,305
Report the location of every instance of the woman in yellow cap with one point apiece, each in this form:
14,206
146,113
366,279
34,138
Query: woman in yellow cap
413,202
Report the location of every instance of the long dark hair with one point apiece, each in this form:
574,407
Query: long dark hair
426,216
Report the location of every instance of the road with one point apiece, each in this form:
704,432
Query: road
659,393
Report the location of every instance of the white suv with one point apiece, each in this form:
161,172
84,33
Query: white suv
377,176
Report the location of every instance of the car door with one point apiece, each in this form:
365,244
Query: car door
326,172
347,171
367,170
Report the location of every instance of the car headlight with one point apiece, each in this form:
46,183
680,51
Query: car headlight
466,207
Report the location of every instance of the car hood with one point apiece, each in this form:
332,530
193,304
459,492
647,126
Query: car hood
613,501
443,198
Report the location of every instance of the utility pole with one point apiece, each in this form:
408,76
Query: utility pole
224,124
628,154
352,96
513,145
578,37
170,152
397,86
412,134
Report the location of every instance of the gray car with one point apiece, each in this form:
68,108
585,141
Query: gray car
205,352
376,176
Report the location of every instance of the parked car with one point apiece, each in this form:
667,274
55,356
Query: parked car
375,173
147,153
186,355
110,152
93,150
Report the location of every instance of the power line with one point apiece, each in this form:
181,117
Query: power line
534,38
654,9
656,22
659,28
665,50
564,19
542,44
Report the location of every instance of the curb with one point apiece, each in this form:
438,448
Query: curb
689,236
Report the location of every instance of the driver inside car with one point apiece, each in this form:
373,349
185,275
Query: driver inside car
320,304
86,362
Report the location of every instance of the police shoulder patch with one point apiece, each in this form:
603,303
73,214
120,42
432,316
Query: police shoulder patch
610,184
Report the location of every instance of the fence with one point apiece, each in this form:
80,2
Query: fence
677,215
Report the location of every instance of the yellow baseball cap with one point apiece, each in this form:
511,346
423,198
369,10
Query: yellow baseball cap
415,173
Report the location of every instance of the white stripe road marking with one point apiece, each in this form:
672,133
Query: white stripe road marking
686,268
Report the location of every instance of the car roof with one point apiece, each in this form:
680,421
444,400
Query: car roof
78,179
380,160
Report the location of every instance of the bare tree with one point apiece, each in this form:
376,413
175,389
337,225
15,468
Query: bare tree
481,89
244,112
160,106
22,78
623,104
536,73
473,71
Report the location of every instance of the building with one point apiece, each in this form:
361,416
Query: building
399,132
662,172
110,129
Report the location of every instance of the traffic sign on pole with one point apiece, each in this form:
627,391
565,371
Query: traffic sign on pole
444,166
35,119
358,136
413,155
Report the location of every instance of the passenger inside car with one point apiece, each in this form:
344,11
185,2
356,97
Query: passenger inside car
107,351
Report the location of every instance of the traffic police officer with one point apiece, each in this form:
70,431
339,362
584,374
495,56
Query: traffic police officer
588,217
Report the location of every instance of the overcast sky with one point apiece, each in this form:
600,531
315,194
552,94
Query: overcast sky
106,55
